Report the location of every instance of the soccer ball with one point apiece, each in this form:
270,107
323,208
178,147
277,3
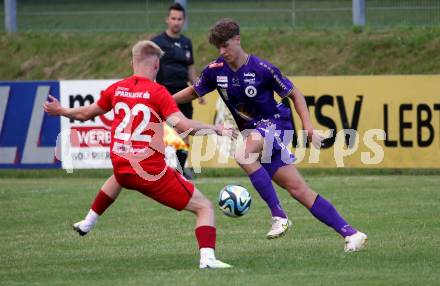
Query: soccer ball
234,200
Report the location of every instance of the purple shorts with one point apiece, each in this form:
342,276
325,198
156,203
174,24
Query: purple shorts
277,131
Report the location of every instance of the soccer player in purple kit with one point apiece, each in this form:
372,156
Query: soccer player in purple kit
247,84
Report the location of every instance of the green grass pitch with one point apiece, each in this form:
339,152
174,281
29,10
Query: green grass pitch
139,242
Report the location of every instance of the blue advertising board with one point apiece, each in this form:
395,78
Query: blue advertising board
27,135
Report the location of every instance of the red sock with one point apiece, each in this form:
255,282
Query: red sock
206,236
101,202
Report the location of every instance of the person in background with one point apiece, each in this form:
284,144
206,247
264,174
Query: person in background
177,69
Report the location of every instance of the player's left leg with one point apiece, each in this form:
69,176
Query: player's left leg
289,178
105,197
205,230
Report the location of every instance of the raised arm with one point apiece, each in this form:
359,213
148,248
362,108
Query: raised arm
83,113
185,95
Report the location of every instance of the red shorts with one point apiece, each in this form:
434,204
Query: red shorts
171,190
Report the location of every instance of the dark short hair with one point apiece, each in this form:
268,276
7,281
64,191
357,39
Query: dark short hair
222,31
178,7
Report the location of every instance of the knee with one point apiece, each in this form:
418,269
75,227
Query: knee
297,189
206,206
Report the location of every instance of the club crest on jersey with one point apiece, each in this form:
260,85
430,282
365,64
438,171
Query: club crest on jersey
188,55
250,91
215,65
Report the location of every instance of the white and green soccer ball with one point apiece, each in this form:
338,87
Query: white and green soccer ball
234,200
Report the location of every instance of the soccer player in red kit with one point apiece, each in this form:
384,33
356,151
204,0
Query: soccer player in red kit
137,149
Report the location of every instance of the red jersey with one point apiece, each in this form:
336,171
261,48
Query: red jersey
140,107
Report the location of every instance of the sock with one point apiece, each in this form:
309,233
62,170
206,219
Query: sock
324,211
101,203
91,219
263,184
206,236
181,157
207,253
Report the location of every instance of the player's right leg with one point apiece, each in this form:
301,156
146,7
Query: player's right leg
105,197
262,182
174,191
205,230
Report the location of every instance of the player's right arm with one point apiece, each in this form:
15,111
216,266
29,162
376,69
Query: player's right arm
83,113
202,86
185,95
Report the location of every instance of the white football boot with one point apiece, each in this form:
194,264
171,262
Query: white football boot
212,263
83,227
279,227
355,242
208,260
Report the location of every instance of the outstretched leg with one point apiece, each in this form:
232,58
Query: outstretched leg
205,230
289,178
105,197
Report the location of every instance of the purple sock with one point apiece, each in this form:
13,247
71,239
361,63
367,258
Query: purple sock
326,213
263,184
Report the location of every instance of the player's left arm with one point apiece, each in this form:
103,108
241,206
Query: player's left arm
301,108
53,107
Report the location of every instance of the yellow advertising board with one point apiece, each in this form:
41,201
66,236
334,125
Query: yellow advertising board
377,121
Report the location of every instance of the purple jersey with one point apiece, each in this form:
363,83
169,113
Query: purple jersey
248,92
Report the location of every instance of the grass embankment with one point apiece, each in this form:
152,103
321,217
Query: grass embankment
42,56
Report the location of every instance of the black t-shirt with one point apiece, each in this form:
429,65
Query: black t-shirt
173,71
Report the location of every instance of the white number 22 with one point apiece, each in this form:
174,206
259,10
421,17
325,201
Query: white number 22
137,136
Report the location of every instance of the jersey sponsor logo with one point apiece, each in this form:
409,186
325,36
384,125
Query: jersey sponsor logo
250,91
128,94
215,65
222,85
249,74
249,77
222,78
249,80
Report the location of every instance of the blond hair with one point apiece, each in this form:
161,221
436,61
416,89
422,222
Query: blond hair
145,49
